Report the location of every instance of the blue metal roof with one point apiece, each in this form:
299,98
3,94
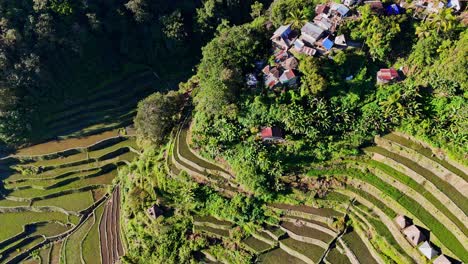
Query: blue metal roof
328,44
393,10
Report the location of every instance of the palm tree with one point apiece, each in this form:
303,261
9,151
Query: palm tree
297,18
443,20
423,30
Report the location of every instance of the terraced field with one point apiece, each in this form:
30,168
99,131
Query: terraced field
402,176
305,234
108,108
183,158
50,200
109,230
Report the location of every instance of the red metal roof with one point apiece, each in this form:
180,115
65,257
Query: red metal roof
387,74
290,74
321,9
269,132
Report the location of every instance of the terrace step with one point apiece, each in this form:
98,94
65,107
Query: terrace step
430,152
274,232
380,155
187,156
420,216
308,253
336,256
220,233
420,199
368,227
279,256
255,245
307,239
457,182
311,224
212,222
407,247
202,176
349,253
324,215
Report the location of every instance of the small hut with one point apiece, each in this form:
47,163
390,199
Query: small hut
414,235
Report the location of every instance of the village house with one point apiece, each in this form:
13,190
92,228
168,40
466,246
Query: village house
271,76
272,134
375,6
339,10
327,43
154,211
433,6
251,80
288,77
393,9
290,63
402,221
324,22
428,250
282,37
310,33
442,259
300,47
340,41
387,76
414,235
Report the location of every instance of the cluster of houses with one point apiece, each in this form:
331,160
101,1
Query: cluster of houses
315,37
425,7
419,237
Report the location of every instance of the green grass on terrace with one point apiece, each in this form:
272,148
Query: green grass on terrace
90,244
279,256
210,230
7,255
418,188
131,142
40,182
437,228
9,203
425,152
360,250
313,252
50,174
380,228
73,252
70,202
307,232
99,180
326,212
12,223
458,198
335,257
310,221
212,219
255,244
187,153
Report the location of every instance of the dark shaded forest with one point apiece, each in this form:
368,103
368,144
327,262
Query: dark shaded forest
57,52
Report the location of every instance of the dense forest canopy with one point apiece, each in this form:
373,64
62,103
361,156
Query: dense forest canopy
211,144
55,52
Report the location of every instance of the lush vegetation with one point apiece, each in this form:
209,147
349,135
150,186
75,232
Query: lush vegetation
218,190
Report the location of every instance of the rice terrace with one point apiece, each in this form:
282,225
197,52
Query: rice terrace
234,132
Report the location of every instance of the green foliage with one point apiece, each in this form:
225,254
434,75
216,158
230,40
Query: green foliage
312,83
378,32
157,115
62,7
287,11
